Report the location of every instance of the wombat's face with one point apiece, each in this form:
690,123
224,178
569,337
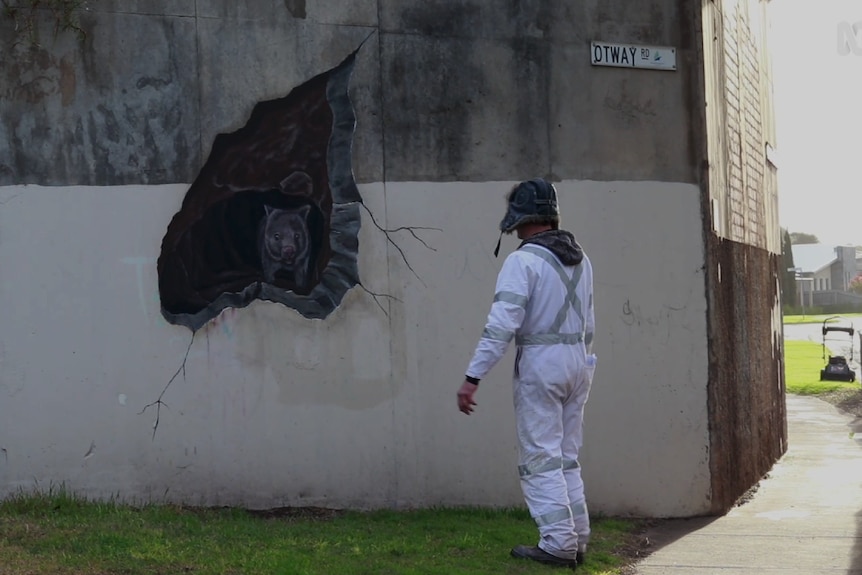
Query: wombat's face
286,235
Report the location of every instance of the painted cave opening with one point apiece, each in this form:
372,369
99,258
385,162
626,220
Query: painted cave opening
274,212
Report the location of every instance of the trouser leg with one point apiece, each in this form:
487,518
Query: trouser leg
539,422
578,505
573,438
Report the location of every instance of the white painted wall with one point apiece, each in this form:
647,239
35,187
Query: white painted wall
359,409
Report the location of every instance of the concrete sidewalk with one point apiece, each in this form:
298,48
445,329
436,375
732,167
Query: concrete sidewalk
805,518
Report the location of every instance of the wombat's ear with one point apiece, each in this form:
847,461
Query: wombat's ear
267,208
297,184
304,211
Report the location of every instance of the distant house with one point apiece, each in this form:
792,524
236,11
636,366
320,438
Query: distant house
824,272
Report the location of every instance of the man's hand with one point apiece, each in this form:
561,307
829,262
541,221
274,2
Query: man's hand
465,397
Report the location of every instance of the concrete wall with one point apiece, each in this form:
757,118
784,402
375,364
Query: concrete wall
358,409
446,91
454,102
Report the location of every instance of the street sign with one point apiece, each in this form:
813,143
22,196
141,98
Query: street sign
632,56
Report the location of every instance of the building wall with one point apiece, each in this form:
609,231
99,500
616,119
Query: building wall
844,269
740,118
743,246
823,279
437,83
273,409
263,407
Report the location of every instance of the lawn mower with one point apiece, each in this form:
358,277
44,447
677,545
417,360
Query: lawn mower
838,367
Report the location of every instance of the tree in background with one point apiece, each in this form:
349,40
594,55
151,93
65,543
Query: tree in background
788,275
803,238
856,284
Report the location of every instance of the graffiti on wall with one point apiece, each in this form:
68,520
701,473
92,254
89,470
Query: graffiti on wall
273,213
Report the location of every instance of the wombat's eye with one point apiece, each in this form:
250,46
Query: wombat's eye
277,237
296,237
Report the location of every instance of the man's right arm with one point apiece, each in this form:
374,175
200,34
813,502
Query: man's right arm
504,319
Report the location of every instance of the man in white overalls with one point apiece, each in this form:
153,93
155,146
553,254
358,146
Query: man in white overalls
544,301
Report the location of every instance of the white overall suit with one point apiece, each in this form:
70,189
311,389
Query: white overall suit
547,308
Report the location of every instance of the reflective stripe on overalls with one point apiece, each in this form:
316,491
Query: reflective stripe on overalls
553,335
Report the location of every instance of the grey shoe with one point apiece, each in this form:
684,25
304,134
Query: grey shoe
542,556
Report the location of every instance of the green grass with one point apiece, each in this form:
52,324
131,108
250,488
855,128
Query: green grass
793,319
803,362
61,534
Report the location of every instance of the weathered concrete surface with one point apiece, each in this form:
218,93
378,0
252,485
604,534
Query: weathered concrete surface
572,22
277,56
652,349
451,92
518,84
147,7
804,518
454,102
272,409
98,113
358,410
493,92
101,114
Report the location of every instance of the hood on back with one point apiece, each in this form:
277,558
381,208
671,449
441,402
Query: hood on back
561,243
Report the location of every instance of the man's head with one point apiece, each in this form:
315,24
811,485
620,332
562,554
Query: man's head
531,204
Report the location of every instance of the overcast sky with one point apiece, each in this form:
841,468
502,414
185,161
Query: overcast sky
818,112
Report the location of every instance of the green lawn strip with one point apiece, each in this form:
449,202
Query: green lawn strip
803,362
796,319
58,534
